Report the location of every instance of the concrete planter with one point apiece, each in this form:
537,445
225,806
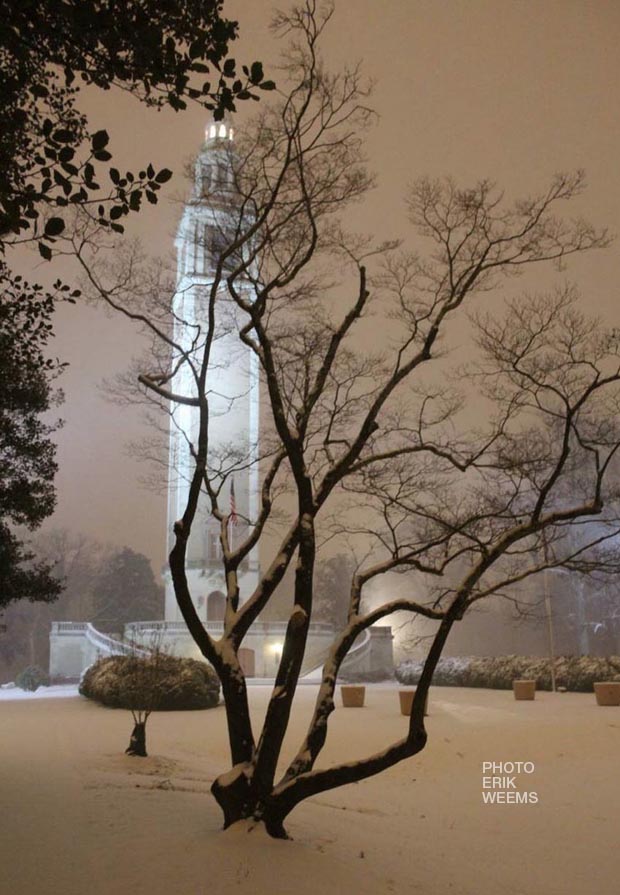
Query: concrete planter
352,696
607,693
524,689
406,701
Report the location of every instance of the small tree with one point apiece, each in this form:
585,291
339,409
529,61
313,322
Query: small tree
148,681
75,561
331,592
125,591
143,688
442,502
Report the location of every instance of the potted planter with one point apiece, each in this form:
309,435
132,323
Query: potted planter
524,689
405,697
607,693
352,696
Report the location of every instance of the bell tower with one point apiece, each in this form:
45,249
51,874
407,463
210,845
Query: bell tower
209,217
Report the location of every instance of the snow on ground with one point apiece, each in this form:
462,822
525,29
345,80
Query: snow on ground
81,817
8,691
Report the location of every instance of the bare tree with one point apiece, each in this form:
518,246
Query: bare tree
75,561
465,509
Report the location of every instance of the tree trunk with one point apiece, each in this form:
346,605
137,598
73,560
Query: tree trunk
236,801
137,743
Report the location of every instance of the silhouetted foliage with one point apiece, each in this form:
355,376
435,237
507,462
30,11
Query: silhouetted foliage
27,455
163,53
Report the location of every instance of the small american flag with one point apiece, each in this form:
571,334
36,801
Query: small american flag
233,504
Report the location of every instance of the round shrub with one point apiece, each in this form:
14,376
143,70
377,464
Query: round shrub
31,678
153,683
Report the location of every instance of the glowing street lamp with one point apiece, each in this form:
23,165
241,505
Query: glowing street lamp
276,649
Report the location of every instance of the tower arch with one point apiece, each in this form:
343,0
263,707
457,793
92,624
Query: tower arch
216,606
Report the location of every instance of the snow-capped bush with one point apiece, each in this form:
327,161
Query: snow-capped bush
158,682
365,677
498,672
31,678
449,672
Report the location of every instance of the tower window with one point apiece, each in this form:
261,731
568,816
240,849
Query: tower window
214,547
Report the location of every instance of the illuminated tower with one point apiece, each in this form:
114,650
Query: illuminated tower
232,384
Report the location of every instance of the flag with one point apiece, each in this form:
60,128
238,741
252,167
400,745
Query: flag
233,504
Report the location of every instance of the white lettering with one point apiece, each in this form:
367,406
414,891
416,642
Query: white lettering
508,767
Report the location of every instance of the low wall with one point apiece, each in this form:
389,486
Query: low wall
76,645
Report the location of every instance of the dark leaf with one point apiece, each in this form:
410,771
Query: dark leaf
54,227
63,136
256,73
99,140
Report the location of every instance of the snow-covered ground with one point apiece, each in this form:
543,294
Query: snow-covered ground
10,691
81,817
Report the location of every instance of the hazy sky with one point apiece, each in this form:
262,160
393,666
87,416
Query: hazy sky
512,90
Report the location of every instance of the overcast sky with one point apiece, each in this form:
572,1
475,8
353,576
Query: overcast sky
512,90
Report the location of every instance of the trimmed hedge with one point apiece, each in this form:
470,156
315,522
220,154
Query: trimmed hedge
155,683
365,677
572,672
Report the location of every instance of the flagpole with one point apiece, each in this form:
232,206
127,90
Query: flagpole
232,517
